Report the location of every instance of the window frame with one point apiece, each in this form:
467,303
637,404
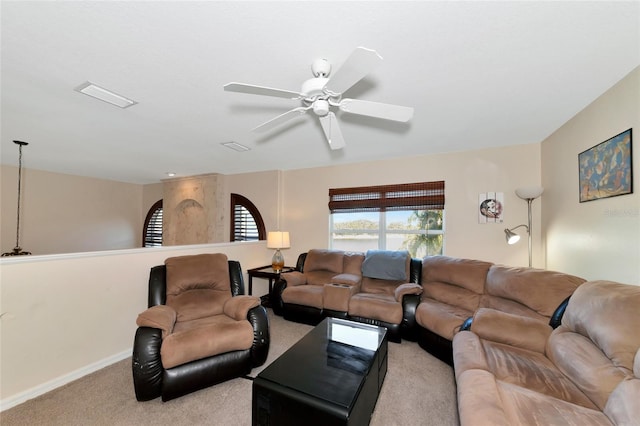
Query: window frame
150,214
239,200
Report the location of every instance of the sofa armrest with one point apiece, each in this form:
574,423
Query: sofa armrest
351,280
407,288
509,329
237,307
259,320
294,278
162,317
146,363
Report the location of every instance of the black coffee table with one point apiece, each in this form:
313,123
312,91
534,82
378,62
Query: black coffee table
332,376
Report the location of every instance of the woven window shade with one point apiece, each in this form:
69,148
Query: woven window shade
406,196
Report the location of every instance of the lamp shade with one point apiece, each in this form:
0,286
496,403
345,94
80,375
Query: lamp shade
278,240
529,192
511,236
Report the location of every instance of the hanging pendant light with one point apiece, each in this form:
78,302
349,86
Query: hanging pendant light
17,251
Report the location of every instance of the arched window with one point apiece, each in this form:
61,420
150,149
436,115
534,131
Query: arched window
246,222
152,231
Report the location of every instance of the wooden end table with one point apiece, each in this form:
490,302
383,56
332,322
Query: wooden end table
268,273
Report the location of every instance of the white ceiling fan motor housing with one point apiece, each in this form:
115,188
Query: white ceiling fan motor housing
321,107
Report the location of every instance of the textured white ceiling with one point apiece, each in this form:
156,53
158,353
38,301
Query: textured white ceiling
479,74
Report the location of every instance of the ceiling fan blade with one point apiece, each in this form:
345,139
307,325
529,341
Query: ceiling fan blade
377,109
360,63
332,131
281,119
261,90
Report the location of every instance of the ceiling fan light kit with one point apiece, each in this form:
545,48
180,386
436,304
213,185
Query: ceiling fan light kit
324,92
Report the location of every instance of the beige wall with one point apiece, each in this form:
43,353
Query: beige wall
466,174
63,213
597,239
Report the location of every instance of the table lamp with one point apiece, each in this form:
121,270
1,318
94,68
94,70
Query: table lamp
278,240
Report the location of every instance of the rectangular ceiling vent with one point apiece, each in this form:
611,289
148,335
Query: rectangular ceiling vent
235,146
104,95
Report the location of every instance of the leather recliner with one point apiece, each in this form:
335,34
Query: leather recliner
199,329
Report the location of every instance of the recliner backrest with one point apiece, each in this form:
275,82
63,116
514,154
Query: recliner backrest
534,293
197,286
324,260
454,281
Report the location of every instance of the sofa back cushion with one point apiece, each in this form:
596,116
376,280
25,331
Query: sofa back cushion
534,293
383,271
352,263
599,338
324,260
457,282
198,285
387,265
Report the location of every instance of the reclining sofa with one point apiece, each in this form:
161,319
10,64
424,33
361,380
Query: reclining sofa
378,287
454,289
512,369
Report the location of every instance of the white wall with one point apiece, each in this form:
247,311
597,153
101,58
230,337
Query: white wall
597,239
63,316
466,174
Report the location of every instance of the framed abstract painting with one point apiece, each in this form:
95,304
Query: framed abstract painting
605,170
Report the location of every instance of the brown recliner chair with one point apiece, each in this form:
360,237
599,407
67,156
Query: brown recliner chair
199,329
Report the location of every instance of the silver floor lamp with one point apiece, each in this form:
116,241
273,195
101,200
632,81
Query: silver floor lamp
528,194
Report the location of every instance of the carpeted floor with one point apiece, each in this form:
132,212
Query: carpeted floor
418,390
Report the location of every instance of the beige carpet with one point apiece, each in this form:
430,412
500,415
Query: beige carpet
418,390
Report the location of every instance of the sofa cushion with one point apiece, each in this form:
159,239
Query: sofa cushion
200,271
517,366
386,265
199,303
465,273
622,407
352,263
444,319
535,293
198,285
305,295
201,338
481,396
453,295
375,286
382,307
320,277
324,260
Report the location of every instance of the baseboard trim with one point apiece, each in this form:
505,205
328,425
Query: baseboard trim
43,388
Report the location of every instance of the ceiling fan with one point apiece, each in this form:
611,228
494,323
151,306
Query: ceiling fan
322,93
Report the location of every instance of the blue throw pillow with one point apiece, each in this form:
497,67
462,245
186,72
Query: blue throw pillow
385,265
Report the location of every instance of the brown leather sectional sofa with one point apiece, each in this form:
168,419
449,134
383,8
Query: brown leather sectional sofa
528,346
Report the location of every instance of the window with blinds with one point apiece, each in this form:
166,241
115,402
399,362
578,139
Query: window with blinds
389,217
246,221
407,196
152,231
